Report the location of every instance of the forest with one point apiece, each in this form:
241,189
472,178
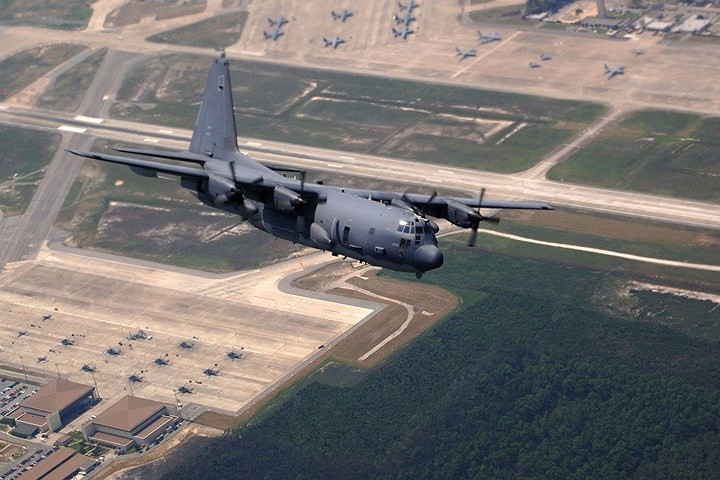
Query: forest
533,377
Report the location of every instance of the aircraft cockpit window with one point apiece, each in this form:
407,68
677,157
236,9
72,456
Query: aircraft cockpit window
419,230
406,229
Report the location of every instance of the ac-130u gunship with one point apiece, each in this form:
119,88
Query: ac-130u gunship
386,229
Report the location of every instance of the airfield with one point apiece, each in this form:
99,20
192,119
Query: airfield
98,300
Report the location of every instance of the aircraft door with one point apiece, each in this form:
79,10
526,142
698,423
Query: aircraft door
346,236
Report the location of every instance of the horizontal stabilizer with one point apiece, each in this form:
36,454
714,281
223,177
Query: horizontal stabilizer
169,154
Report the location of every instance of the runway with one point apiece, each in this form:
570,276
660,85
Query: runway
506,186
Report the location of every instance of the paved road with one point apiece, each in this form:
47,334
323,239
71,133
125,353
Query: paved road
23,240
653,207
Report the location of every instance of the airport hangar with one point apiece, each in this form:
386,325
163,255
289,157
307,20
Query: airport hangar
52,407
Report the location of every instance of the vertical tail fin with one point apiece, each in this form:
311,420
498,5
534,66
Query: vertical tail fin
215,133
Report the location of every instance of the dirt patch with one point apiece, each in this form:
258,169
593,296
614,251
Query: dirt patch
10,451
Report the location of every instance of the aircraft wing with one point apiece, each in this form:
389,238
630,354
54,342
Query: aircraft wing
146,168
437,205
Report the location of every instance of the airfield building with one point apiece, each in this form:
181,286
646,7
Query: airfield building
129,422
62,464
52,407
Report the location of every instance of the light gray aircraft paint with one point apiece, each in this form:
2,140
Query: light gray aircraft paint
279,22
410,6
493,37
333,42
611,72
406,20
342,16
274,35
402,33
386,229
463,54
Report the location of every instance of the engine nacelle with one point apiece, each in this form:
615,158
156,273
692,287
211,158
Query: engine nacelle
286,200
220,190
461,215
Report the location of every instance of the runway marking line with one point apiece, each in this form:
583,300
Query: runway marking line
334,165
150,140
67,128
83,118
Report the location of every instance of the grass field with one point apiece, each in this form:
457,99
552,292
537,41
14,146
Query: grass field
65,15
216,32
667,153
24,155
440,124
633,237
20,70
133,11
67,91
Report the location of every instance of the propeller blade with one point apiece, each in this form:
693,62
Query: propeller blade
473,235
430,200
300,223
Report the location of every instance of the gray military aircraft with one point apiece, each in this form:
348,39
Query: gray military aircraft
274,35
493,37
402,33
279,22
342,16
89,368
406,20
611,72
233,355
386,229
113,352
160,361
334,42
410,6
545,57
183,389
42,359
67,342
533,65
136,378
463,54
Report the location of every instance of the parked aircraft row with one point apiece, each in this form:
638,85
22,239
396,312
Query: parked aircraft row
403,23
277,33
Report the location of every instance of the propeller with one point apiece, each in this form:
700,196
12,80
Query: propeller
479,218
300,219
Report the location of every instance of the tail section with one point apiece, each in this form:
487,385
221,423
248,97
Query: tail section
215,134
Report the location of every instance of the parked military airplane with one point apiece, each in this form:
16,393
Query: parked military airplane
274,35
545,57
534,65
406,20
342,16
463,54
611,72
381,228
279,22
334,42
410,6
402,33
493,37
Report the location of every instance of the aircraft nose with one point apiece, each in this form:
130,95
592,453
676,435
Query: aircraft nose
428,257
